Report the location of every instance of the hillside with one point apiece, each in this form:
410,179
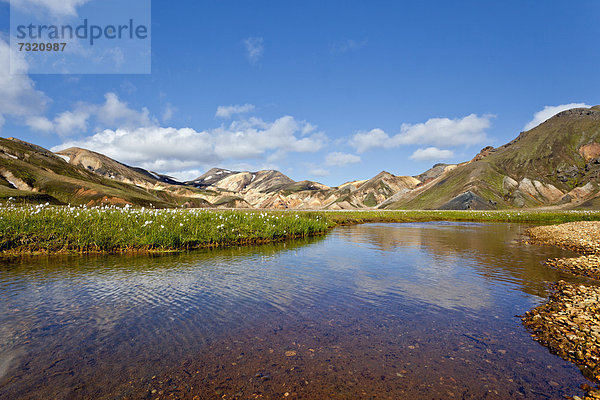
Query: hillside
554,164
109,168
33,174
372,192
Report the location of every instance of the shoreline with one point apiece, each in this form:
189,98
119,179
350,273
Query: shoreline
568,323
153,251
581,237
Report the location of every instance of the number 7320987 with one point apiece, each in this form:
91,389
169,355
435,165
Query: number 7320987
26,46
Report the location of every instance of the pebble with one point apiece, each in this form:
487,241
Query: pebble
554,325
569,323
583,266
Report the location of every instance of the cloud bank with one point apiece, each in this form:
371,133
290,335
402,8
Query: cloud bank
439,132
18,96
113,113
183,149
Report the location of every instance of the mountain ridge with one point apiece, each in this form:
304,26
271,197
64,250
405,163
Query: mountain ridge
554,165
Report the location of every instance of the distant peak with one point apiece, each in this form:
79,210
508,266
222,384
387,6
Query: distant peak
383,174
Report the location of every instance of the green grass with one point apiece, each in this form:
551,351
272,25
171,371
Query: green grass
61,229
47,229
538,217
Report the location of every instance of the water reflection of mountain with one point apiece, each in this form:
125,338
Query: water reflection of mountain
494,251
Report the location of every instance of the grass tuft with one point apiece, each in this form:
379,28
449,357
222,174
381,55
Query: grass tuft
49,229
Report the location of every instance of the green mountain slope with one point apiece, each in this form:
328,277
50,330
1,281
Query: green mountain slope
556,163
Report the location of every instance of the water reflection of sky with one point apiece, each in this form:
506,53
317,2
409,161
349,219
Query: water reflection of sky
447,265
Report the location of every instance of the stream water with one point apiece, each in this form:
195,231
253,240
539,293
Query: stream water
382,311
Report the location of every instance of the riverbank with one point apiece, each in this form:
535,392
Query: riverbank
58,230
569,323
581,237
351,217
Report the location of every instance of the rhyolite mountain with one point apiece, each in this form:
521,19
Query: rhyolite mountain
30,173
554,165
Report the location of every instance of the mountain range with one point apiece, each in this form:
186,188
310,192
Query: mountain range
555,165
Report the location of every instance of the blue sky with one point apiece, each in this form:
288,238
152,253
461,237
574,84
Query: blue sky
328,91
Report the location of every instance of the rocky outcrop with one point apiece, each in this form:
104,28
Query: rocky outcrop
468,201
590,151
486,151
433,173
569,325
15,182
529,191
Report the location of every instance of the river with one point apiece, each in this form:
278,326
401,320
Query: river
382,311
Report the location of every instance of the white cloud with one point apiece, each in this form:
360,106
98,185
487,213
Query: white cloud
318,172
18,95
183,176
68,122
435,131
58,8
228,111
254,49
279,155
431,154
113,113
39,123
171,149
341,159
550,111
364,141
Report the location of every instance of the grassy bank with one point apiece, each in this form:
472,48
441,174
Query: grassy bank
44,229
538,217
49,229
